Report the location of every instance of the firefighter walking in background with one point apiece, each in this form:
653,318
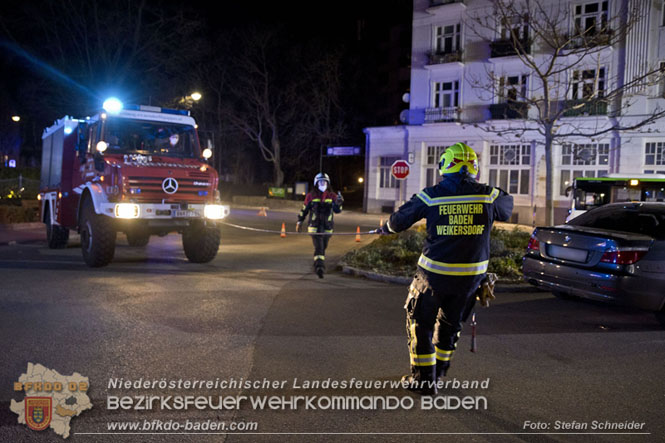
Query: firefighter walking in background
459,213
320,204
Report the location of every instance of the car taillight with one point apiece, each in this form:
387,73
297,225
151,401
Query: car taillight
622,257
534,244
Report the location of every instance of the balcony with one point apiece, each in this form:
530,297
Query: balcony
579,108
437,115
506,48
438,58
509,110
433,3
450,6
590,40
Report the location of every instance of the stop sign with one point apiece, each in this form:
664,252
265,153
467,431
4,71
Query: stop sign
400,169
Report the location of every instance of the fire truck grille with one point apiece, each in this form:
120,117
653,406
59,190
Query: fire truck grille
150,188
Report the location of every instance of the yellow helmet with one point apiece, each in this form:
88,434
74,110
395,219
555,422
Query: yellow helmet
457,156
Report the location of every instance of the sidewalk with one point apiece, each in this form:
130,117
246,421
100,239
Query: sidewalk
22,233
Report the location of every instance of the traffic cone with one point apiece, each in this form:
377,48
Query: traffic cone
263,212
283,234
358,234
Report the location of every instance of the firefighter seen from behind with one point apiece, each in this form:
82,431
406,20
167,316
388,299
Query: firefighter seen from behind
454,261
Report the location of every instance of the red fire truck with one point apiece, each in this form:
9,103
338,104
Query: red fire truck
137,170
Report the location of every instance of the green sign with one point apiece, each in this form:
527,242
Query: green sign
277,192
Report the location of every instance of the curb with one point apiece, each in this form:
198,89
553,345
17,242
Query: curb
21,226
375,276
512,287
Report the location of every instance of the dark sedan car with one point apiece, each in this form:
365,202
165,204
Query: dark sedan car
613,253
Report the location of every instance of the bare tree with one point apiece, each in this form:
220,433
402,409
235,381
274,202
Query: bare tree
566,55
283,98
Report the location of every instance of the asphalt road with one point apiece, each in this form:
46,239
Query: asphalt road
258,312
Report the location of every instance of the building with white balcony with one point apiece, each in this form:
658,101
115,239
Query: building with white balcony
468,84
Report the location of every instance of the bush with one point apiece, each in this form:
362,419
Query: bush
398,254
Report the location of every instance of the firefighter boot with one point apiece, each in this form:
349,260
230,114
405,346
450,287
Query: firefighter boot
422,383
319,267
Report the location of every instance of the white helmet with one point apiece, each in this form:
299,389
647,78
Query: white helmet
321,176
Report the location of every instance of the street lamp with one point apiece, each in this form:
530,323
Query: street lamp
188,101
16,118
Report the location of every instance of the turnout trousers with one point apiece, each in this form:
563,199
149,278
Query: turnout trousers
435,308
320,245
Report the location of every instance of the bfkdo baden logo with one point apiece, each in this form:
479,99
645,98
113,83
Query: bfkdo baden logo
51,399
38,412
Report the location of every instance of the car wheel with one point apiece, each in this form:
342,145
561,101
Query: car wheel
56,236
200,242
97,236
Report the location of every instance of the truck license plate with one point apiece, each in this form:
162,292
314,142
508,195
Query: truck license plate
186,214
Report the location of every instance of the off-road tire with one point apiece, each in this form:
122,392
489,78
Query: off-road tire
56,236
97,236
137,238
200,242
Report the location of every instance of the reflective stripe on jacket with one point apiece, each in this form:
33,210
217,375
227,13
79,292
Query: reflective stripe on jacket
320,207
459,213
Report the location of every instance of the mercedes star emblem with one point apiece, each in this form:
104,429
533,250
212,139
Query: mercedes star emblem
170,185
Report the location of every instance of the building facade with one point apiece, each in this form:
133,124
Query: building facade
469,84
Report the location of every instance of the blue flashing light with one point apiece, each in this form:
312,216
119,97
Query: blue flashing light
112,105
175,111
202,193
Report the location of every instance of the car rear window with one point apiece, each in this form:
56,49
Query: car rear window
646,221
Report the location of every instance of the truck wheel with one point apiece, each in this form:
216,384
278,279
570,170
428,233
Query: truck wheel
200,242
97,236
56,236
137,238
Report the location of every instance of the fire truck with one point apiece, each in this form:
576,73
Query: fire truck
135,169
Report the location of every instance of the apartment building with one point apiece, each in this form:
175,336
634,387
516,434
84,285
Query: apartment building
469,83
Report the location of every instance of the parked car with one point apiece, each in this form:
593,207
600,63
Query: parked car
614,253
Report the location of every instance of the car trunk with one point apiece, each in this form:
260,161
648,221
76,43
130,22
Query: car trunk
589,247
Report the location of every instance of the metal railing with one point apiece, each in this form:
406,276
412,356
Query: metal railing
509,110
437,58
506,47
578,108
435,115
588,40
444,2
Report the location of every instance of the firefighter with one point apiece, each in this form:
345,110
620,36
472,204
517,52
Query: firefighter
320,204
459,213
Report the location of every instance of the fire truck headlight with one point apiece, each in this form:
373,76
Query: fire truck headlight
101,146
215,212
127,210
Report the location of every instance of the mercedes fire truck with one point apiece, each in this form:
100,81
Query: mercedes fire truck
138,170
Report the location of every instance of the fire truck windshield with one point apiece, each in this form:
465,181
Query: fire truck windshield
125,136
